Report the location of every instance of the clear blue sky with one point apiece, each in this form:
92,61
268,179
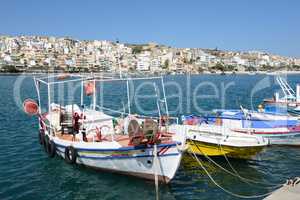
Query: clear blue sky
270,25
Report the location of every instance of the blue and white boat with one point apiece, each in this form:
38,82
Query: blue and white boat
285,102
142,146
279,129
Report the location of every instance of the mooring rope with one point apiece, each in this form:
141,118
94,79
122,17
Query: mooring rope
155,171
274,186
225,190
247,180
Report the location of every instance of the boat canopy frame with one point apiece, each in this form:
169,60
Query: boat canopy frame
51,80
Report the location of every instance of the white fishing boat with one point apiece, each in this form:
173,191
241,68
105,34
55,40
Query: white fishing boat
215,140
289,97
286,103
142,146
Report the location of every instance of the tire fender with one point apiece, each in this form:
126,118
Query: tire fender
70,155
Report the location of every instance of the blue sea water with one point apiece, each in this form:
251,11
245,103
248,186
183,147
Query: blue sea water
26,172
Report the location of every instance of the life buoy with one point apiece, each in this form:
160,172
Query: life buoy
70,155
31,107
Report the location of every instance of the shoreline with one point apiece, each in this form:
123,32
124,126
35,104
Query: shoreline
154,73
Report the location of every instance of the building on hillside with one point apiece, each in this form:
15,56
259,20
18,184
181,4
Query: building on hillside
143,61
7,58
296,62
238,61
156,65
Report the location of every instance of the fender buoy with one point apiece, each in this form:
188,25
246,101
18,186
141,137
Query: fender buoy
41,137
51,149
46,142
70,155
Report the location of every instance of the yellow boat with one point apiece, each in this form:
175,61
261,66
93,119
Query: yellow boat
213,140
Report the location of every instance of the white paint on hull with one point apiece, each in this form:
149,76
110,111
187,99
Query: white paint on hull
141,165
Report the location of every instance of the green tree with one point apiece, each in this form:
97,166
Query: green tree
137,49
296,67
200,70
166,64
131,69
219,67
266,67
10,69
230,68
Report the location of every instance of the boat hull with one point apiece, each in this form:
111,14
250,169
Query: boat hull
277,138
138,162
283,103
283,139
211,149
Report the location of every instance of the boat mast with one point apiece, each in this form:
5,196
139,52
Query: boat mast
128,97
94,95
157,100
164,93
36,82
49,106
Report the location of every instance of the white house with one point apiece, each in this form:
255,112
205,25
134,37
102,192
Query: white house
66,50
155,64
265,57
297,61
238,60
32,63
166,56
7,58
143,61
197,53
70,62
262,62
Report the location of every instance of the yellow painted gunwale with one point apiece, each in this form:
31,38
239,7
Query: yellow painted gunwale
210,149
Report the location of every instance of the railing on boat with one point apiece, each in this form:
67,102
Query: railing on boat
139,115
55,79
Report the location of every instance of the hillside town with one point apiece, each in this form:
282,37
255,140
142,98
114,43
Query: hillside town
53,54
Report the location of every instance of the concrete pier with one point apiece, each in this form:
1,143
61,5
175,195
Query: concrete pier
290,191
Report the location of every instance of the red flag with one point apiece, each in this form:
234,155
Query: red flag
89,88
